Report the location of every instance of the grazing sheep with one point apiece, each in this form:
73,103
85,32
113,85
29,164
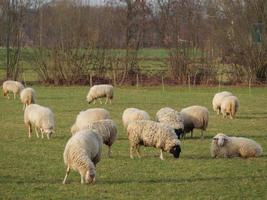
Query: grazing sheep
223,146
87,116
229,106
27,96
133,114
12,86
82,153
99,91
195,117
153,134
217,100
106,128
172,118
40,117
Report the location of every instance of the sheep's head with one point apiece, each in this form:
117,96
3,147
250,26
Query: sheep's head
89,99
48,131
220,139
179,132
90,176
175,150
5,92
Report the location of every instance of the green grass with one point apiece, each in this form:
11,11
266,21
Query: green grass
34,169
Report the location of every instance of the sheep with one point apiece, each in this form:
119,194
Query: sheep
195,117
153,134
229,106
217,100
87,116
171,118
27,96
223,146
106,128
41,118
98,91
133,114
82,153
12,86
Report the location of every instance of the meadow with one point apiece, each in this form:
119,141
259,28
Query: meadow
34,169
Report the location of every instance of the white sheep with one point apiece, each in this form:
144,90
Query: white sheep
106,128
217,100
172,118
87,116
223,146
41,118
153,134
82,153
12,86
27,96
99,91
229,106
195,117
133,114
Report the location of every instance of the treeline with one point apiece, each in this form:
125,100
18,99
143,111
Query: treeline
73,41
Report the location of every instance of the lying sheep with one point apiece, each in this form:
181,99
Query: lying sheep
153,134
106,128
133,114
82,153
217,100
195,117
40,117
87,116
99,91
27,96
172,118
12,86
223,146
229,106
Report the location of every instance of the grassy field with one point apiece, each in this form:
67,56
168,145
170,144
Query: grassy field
34,169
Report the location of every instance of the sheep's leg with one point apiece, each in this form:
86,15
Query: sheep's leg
100,101
23,107
14,96
29,130
110,101
109,151
94,101
192,134
202,135
138,151
161,155
67,173
106,100
131,152
36,131
82,179
42,132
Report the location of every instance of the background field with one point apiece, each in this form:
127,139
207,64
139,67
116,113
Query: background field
34,169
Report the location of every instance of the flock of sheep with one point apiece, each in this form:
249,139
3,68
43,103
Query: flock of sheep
94,126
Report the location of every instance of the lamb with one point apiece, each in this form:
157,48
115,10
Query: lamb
12,86
229,106
27,96
41,117
217,100
195,117
99,91
82,153
106,128
153,134
172,118
133,114
223,146
87,116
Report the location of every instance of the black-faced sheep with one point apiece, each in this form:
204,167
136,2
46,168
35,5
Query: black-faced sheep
153,134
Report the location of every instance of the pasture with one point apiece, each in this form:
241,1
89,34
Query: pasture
34,169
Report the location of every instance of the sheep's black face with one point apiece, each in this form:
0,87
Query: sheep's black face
176,150
179,132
